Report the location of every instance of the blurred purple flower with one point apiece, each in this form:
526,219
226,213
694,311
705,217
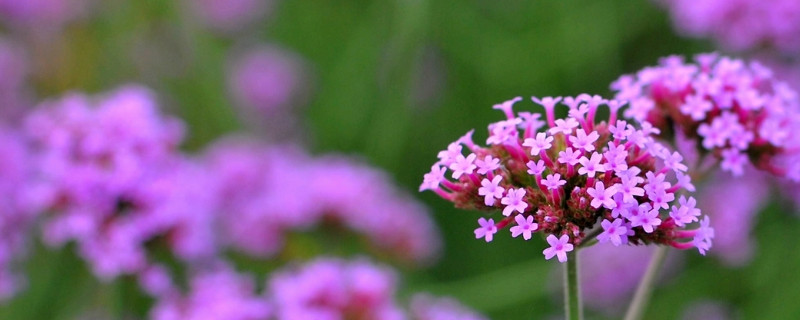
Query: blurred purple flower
228,16
736,111
740,24
733,204
427,307
219,294
110,177
268,191
610,275
265,80
335,289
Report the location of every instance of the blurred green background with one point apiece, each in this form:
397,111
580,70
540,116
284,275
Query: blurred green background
394,82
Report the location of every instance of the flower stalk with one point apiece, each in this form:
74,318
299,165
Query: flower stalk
645,288
572,289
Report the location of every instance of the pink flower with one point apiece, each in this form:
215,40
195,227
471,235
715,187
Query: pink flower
525,226
543,142
463,165
602,196
486,230
583,141
614,232
647,218
491,190
558,247
488,164
591,166
553,182
514,201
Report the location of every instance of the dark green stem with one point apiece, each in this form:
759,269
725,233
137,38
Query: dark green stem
572,289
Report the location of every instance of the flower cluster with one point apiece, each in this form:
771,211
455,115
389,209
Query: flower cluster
740,24
269,191
563,176
427,307
109,177
337,289
264,80
735,111
733,203
217,294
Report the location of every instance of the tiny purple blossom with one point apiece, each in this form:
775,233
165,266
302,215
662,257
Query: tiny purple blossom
542,142
447,157
569,157
591,166
547,102
702,239
558,247
685,181
661,199
553,181
687,213
565,126
733,161
432,179
696,107
602,196
514,201
629,189
583,141
491,190
488,164
647,218
674,162
486,230
525,226
507,107
463,165
536,168
620,131
615,232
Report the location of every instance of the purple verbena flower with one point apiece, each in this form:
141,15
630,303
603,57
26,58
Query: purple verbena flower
574,174
486,230
558,247
736,111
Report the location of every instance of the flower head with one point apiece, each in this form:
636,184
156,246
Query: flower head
573,174
735,111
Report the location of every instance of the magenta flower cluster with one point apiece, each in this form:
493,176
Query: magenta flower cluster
560,177
740,24
735,111
325,288
98,162
268,192
109,177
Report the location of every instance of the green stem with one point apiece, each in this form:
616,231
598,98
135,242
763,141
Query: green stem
645,288
572,289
